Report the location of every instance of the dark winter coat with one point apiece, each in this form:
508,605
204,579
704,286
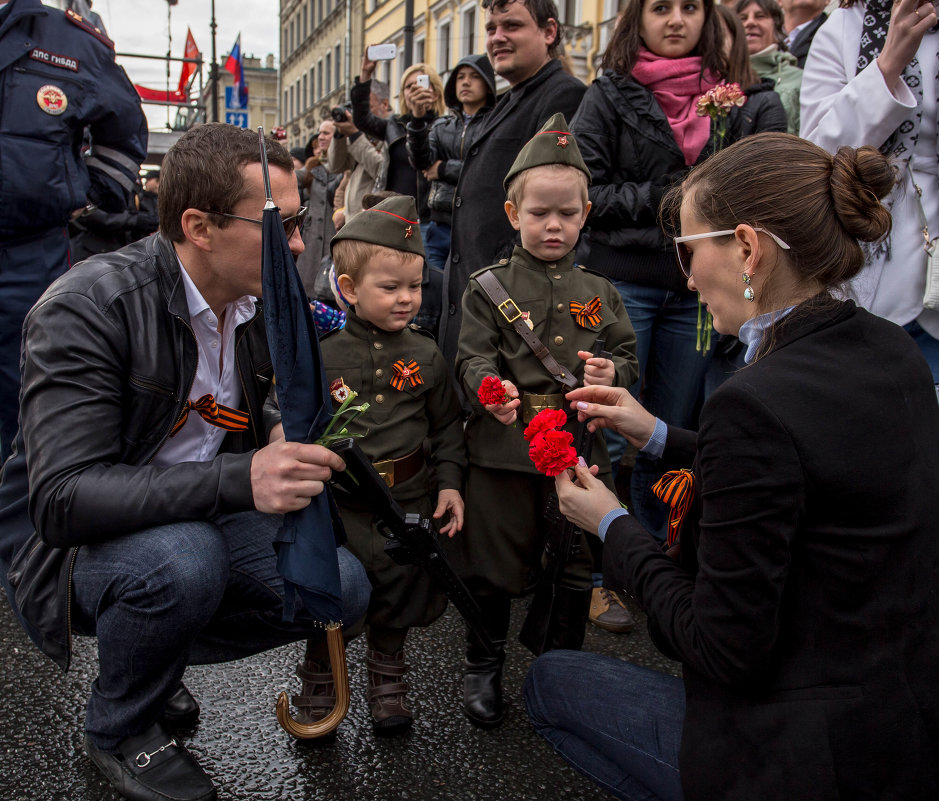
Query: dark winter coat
481,232
449,138
803,41
318,229
401,176
633,157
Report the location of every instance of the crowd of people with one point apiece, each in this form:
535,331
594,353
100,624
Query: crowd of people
711,259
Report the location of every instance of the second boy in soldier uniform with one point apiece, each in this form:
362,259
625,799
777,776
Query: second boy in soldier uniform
397,369
568,309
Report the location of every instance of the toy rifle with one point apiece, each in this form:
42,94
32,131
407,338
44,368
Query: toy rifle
557,614
411,538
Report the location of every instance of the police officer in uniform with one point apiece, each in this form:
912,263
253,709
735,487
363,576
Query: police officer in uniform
57,77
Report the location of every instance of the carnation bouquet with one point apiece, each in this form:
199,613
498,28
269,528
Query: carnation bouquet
716,103
551,449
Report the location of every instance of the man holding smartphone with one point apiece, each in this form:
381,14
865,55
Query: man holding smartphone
524,43
353,152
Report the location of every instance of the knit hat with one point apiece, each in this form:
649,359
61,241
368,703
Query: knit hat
553,144
393,223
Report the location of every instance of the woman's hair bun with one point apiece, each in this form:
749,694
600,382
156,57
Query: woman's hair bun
859,180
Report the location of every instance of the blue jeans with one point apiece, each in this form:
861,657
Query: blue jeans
186,593
436,236
27,267
928,345
617,723
671,378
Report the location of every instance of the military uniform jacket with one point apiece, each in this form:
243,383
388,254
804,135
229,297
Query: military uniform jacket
399,420
489,345
57,77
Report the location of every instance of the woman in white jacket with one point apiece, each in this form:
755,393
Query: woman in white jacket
871,78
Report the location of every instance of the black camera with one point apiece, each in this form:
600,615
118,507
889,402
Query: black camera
338,113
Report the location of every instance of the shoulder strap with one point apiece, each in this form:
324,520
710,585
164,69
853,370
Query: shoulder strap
88,27
492,286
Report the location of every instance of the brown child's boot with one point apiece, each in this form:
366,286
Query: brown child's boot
387,692
317,694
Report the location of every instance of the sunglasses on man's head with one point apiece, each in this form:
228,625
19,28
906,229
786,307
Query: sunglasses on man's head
290,223
683,253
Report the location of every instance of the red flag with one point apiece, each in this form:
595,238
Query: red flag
160,95
189,69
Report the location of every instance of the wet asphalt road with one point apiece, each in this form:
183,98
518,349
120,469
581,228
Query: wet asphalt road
250,758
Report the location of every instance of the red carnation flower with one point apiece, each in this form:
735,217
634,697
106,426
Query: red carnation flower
491,392
545,420
553,452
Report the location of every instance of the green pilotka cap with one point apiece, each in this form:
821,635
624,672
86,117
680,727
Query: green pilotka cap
553,144
392,223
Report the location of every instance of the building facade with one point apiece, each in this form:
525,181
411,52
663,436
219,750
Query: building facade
321,52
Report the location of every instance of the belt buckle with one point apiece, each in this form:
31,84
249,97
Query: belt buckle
505,305
386,469
532,404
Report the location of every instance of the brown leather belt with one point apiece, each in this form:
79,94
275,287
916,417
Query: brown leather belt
397,471
532,404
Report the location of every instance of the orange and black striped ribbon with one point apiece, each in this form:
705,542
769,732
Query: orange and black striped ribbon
409,372
587,315
214,414
676,490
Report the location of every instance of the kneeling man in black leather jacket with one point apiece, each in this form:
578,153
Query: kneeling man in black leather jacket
150,472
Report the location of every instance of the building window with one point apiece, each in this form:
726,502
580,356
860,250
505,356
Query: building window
329,72
305,28
568,12
420,50
319,78
443,50
337,58
313,97
468,26
306,102
321,10
293,95
286,110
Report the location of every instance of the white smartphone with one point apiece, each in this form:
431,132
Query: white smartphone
382,52
423,81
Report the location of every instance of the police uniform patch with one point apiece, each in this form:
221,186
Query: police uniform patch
52,99
54,59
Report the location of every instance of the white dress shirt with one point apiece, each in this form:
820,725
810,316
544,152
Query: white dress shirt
197,440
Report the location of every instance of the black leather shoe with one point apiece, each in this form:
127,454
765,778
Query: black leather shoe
153,766
181,710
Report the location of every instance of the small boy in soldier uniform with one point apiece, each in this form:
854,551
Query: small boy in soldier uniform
534,328
396,367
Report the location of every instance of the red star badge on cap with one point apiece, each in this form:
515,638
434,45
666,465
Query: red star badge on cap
562,141
408,233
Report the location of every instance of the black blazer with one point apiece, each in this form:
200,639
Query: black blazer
803,41
805,608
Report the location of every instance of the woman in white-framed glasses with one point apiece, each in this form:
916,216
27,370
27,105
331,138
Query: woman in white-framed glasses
799,591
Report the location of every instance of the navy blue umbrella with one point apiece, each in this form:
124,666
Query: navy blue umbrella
306,543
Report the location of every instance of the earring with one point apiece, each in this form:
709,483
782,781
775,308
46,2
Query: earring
748,292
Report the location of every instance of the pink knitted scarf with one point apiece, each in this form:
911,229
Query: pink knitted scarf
676,84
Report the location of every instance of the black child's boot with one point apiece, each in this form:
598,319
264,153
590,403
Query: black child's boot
482,680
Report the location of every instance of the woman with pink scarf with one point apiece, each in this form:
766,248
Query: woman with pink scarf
639,132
